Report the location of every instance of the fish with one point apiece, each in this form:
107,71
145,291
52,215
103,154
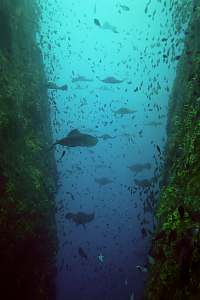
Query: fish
132,297
97,22
82,253
63,154
155,124
53,86
80,218
3,182
106,137
101,258
108,26
124,111
111,80
158,148
137,168
142,269
103,181
77,139
124,7
81,78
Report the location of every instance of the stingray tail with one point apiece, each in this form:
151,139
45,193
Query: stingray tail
52,146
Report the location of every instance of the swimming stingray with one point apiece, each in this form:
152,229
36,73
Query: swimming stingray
77,139
124,111
103,181
80,218
137,168
111,80
81,78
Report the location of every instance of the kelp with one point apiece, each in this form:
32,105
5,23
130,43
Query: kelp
176,245
27,171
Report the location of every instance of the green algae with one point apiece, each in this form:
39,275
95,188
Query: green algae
28,239
175,276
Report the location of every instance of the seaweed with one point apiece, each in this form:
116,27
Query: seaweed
176,246
27,173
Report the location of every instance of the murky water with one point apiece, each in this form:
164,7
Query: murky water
118,60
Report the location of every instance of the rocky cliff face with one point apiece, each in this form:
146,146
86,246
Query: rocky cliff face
176,246
27,169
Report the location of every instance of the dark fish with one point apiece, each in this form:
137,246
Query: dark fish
2,185
77,139
53,86
111,80
80,218
96,22
160,235
158,148
181,211
124,7
82,253
63,154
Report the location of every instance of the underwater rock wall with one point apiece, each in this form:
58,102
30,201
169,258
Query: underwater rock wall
175,252
27,170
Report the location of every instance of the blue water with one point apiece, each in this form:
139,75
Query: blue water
73,45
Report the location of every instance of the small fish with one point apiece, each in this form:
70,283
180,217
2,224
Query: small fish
142,269
132,297
63,154
101,258
181,211
82,253
96,22
158,148
124,7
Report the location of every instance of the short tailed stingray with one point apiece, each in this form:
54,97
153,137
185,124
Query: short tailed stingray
111,80
80,218
77,139
124,111
81,78
103,181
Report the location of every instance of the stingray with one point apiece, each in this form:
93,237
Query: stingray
153,123
77,139
111,80
137,168
124,111
80,218
81,78
103,181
